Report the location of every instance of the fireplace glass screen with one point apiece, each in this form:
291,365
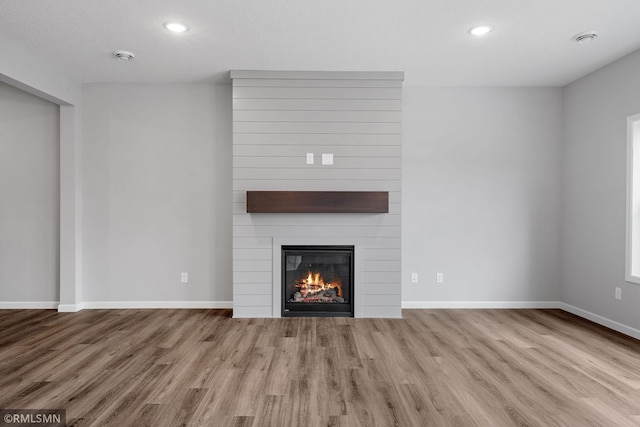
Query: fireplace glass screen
317,280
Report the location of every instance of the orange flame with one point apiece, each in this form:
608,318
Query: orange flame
314,283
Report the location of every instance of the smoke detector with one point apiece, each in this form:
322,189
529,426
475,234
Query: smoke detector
585,37
123,55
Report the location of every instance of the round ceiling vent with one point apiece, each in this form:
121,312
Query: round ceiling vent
585,37
123,55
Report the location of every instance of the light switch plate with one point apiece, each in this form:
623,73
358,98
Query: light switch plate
327,158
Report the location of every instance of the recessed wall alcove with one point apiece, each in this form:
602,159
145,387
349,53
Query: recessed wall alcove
280,118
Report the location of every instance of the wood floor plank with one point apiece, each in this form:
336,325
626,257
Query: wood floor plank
431,368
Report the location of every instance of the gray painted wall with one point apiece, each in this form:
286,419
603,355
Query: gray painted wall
484,226
277,119
157,192
481,194
29,209
596,108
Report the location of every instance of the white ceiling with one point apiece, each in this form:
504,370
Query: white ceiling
427,39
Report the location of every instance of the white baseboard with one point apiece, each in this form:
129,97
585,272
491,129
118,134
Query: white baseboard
70,308
156,304
481,304
28,305
611,324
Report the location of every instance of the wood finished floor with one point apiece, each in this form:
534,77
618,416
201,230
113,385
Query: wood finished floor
434,367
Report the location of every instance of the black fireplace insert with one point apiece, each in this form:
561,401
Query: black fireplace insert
317,281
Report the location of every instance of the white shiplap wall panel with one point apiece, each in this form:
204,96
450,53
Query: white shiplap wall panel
301,151
255,254
249,311
240,208
380,289
316,93
252,289
374,311
297,162
317,75
381,254
316,185
278,118
387,300
251,265
252,242
317,127
251,301
395,197
318,116
382,265
318,104
316,231
382,243
252,277
239,197
314,140
368,83
350,220
336,172
380,276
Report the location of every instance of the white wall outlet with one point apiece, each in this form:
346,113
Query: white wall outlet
184,278
309,158
414,277
439,277
618,293
327,158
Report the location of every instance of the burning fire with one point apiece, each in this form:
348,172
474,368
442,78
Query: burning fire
315,283
313,288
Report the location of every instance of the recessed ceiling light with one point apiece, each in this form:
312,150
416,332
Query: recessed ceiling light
585,37
481,30
176,27
123,55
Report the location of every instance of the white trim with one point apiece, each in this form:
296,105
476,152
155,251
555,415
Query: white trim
632,279
611,324
481,304
276,277
67,308
156,304
70,308
28,305
632,121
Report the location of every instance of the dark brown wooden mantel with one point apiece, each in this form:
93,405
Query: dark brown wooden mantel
317,202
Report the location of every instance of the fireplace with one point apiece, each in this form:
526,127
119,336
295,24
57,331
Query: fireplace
317,281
